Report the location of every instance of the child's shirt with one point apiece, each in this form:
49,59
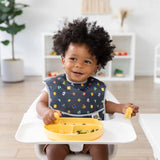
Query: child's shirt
76,99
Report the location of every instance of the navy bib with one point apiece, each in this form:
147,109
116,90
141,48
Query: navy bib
77,99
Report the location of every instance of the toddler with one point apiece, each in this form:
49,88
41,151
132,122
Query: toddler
85,47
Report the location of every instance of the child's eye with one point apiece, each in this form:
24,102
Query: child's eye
88,62
73,59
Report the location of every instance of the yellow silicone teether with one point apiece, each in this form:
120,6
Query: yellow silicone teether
128,113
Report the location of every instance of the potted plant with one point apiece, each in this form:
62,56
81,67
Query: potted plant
11,69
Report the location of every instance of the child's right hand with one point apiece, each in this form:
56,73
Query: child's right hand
49,117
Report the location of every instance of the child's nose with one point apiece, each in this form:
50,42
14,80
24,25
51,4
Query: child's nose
79,64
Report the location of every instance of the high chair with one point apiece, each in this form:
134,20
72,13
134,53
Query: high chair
30,131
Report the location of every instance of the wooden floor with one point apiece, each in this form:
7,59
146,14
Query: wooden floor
15,98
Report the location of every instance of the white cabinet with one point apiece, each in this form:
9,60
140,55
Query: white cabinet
51,63
124,42
157,64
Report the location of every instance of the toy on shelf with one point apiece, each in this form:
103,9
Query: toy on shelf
128,113
53,53
74,129
54,74
120,53
118,73
100,74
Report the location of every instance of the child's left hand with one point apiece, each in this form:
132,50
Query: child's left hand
134,107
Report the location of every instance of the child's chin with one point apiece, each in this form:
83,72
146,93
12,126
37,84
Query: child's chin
78,79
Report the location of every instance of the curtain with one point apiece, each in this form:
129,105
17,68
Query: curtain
95,7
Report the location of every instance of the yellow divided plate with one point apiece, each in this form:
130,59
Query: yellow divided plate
74,129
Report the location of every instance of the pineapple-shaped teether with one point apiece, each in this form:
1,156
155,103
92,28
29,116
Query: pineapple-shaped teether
128,113
56,115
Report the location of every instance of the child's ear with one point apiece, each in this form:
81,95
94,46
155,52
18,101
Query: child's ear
63,61
96,69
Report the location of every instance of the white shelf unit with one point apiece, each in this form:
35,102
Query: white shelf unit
157,64
122,41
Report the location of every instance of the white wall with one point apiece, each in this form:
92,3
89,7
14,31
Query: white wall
42,17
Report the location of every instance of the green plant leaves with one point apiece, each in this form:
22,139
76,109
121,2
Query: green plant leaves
18,12
6,42
3,18
3,28
3,8
9,10
20,5
15,28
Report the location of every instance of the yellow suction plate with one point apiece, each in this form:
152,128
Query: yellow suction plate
74,129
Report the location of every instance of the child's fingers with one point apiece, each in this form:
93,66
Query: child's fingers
59,112
135,108
133,114
51,117
131,110
47,121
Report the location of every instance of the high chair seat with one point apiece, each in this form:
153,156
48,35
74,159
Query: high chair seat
31,126
112,149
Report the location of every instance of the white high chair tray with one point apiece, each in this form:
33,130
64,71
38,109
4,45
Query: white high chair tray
117,130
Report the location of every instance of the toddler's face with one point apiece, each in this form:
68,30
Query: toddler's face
78,63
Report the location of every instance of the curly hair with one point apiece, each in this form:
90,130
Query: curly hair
83,32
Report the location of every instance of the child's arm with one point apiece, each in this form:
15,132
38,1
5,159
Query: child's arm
112,107
42,109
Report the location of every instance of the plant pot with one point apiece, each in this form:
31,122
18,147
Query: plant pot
12,70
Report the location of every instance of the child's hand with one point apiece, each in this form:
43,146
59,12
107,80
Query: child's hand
49,117
134,107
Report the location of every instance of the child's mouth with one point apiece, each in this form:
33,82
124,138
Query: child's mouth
78,73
